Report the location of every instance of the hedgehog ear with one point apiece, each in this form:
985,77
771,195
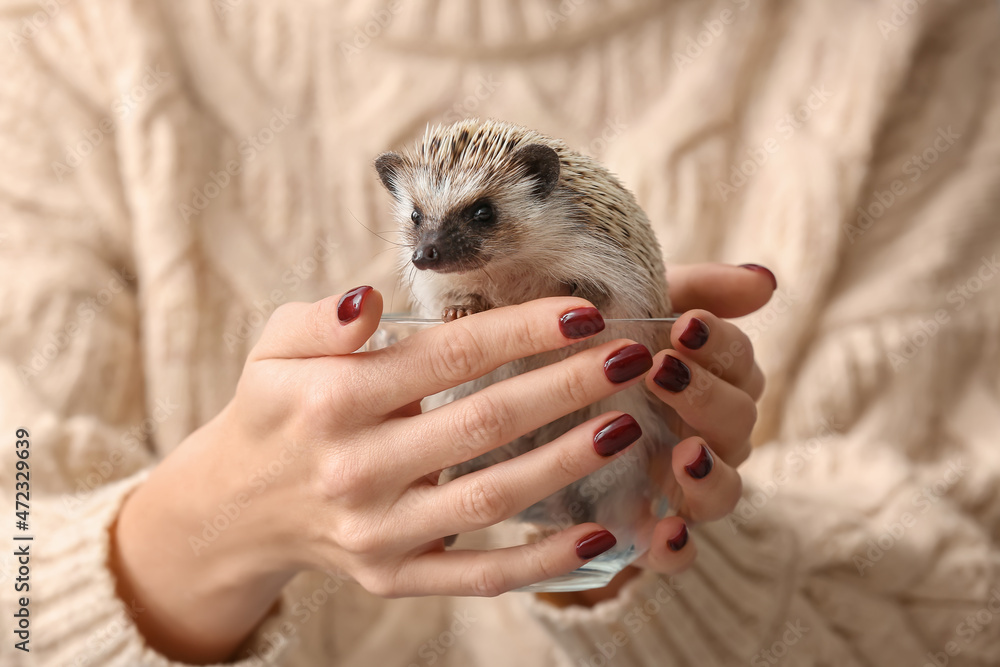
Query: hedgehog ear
389,166
541,163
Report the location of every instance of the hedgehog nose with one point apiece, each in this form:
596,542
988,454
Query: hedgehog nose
425,256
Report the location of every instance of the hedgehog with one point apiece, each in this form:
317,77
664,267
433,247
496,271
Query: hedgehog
494,214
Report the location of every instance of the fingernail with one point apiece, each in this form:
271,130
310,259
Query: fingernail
677,542
595,544
762,269
581,322
702,465
349,307
673,375
627,363
617,435
695,334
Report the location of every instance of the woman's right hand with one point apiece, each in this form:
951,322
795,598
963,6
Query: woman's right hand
323,460
366,487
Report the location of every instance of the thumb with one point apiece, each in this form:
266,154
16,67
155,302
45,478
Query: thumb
725,290
332,326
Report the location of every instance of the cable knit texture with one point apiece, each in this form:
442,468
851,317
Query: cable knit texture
173,171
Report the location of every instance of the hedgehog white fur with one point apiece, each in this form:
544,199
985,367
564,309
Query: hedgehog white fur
493,214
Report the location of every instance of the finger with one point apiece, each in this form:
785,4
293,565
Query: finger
487,496
719,346
490,573
445,356
336,325
726,290
754,385
671,549
722,413
464,429
711,486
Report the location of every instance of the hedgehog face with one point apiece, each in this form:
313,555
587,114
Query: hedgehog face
458,219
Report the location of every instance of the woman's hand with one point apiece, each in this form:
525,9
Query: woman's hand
323,460
712,382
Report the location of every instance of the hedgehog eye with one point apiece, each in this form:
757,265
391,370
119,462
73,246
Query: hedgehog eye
482,213
416,217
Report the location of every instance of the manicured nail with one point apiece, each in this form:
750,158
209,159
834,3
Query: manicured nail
581,322
762,269
349,307
674,375
702,465
695,334
617,435
627,363
595,544
677,542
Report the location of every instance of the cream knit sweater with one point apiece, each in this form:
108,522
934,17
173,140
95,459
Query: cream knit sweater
170,172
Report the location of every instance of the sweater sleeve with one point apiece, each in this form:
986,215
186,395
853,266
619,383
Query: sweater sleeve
70,365
867,532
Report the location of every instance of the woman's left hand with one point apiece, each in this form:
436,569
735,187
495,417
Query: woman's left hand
712,382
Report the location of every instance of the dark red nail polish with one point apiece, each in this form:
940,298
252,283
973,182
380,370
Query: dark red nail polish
595,544
627,363
673,375
702,465
349,307
581,322
617,435
695,334
677,542
762,269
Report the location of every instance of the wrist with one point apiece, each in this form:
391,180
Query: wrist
189,550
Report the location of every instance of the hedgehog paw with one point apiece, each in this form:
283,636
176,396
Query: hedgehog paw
454,312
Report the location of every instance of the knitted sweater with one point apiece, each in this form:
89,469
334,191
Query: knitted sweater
171,172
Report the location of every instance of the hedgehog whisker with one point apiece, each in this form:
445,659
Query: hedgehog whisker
372,230
483,269
380,252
